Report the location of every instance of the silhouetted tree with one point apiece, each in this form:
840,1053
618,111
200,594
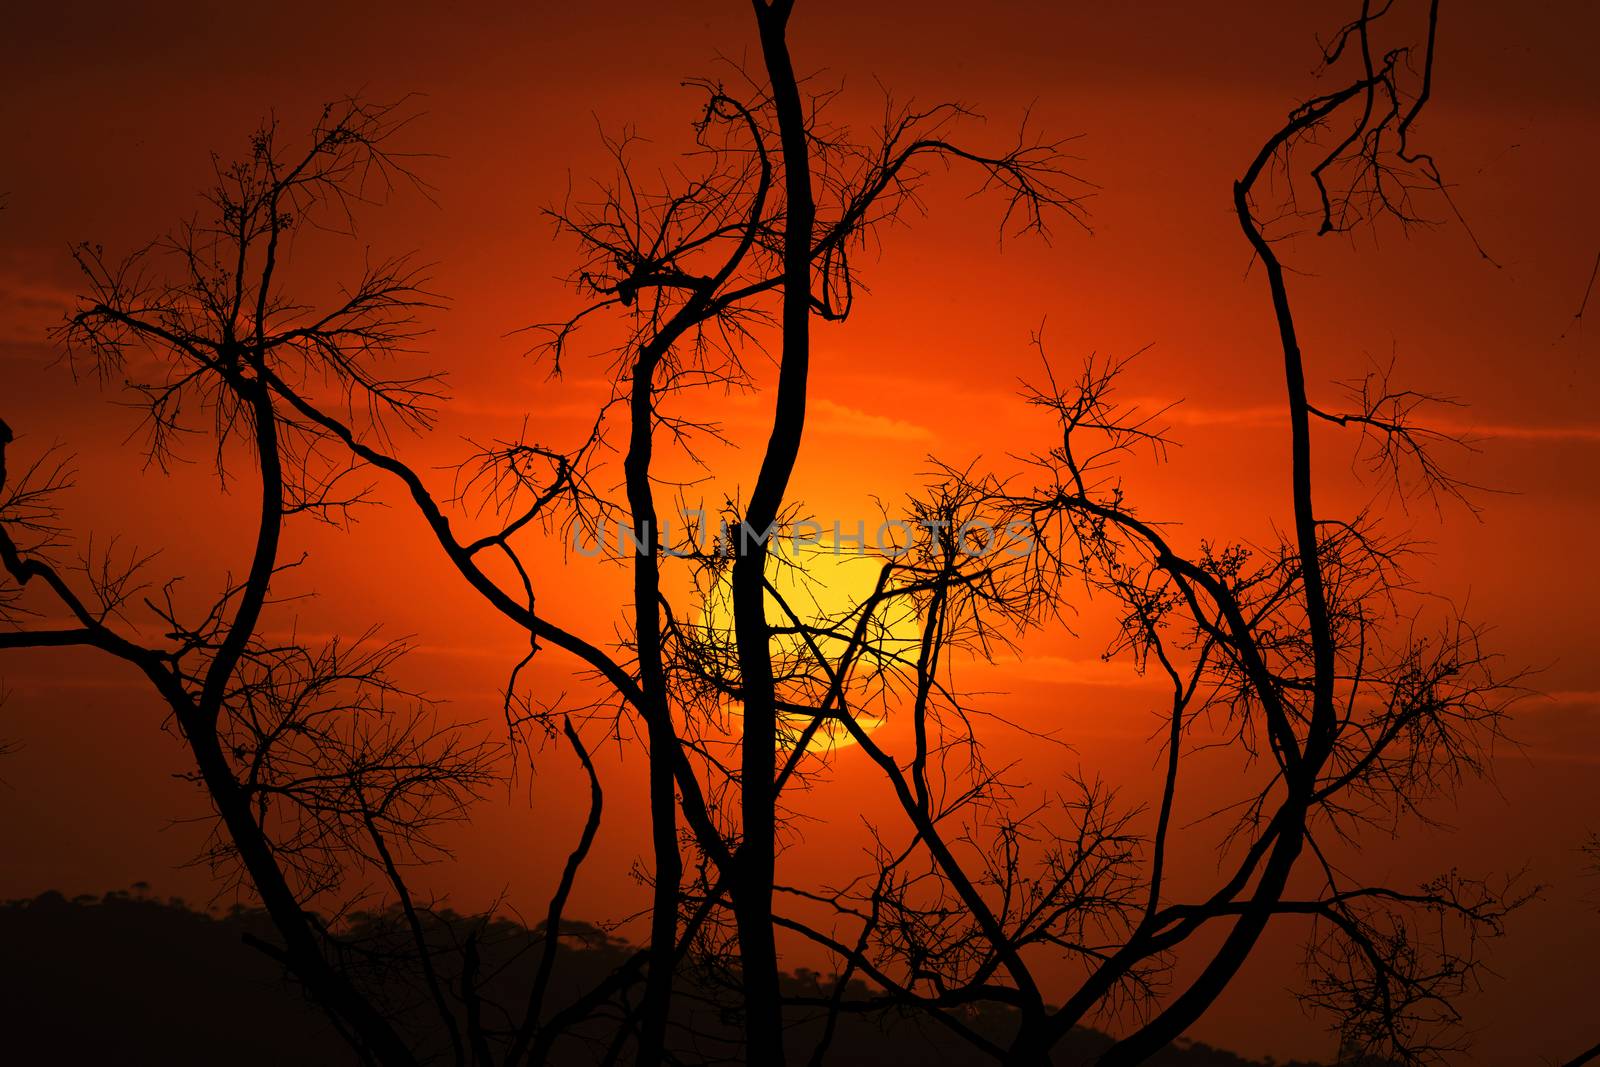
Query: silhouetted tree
1348,711
774,217
315,760
1307,650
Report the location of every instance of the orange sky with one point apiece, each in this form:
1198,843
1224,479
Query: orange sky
108,117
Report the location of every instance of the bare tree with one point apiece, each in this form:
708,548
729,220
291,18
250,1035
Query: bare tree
1348,705
315,759
774,217
1313,651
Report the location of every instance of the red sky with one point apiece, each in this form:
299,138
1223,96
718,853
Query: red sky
109,113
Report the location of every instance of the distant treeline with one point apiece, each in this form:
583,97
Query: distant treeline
129,978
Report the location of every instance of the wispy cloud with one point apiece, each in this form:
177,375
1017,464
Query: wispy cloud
1183,414
1587,700
1061,670
1265,416
824,417
1513,431
831,417
29,308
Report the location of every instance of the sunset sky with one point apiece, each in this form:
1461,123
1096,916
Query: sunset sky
110,113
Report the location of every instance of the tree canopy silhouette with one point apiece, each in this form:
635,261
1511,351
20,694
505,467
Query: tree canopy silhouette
1008,926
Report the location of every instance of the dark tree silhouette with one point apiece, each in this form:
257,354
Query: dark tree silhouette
1348,706
781,200
315,760
1308,650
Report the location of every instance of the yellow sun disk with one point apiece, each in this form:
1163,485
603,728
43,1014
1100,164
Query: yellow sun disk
825,590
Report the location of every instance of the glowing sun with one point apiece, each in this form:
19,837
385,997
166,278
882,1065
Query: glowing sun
827,594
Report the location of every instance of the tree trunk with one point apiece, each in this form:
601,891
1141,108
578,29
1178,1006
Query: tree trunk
668,863
758,764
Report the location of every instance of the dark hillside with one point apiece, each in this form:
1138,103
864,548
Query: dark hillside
131,979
